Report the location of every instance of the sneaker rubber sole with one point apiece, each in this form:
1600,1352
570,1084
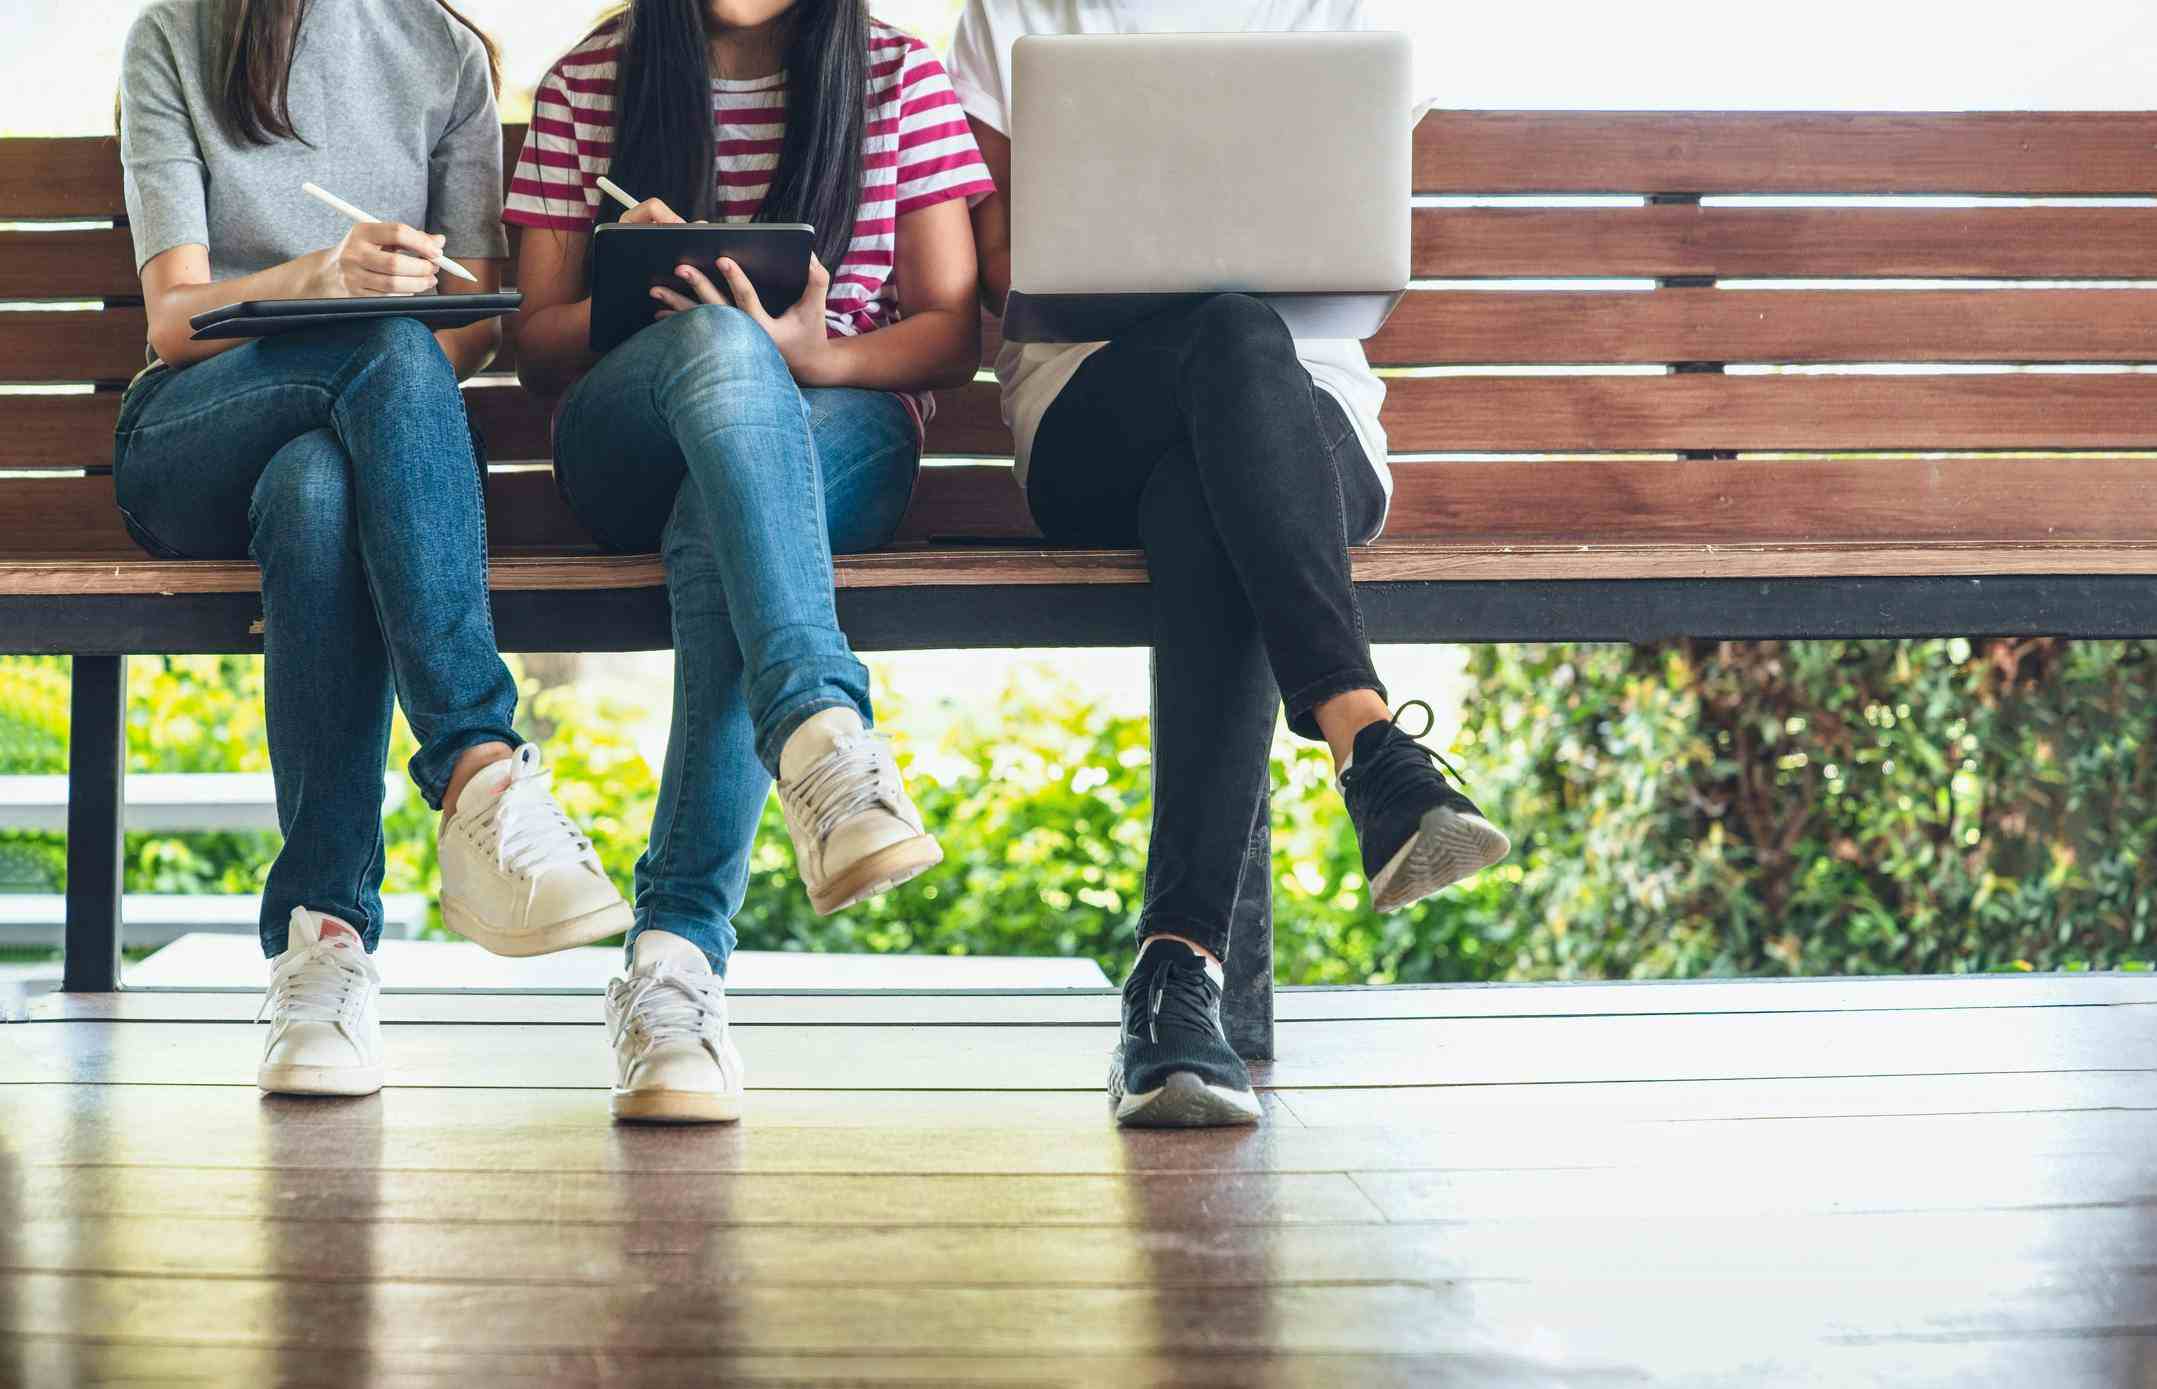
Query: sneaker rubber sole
318,1080
612,920
675,1107
1446,848
1183,1101
877,874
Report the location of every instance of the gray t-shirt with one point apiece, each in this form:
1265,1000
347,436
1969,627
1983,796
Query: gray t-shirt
392,97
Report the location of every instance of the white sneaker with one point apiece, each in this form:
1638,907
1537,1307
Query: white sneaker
673,1060
518,876
325,1027
856,832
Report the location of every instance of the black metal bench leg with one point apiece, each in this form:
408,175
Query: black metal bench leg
96,763
1247,999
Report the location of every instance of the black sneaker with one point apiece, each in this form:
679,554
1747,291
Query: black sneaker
1173,1067
1418,832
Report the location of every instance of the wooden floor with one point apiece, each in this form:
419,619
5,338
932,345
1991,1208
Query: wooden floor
1905,1182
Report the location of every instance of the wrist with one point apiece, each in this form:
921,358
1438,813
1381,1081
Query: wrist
819,365
322,279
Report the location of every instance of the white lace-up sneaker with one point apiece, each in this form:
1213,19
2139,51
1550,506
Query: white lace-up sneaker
518,876
673,1060
856,832
325,1027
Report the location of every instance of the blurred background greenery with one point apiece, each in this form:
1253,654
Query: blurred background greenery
1680,811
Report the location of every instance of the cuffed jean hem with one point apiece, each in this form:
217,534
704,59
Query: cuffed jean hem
1212,935
432,767
770,746
1302,720
716,941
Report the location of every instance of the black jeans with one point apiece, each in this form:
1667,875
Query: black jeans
1199,437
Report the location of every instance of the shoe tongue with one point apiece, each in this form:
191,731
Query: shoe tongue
813,741
309,928
1370,739
489,782
656,948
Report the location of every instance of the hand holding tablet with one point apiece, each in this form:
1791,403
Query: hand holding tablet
632,259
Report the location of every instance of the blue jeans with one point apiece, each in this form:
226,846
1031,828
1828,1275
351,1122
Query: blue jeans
340,461
693,438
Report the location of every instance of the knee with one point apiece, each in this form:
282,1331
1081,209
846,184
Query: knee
1238,326
721,343
302,504
404,347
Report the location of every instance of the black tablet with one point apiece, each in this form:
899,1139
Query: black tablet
258,318
627,261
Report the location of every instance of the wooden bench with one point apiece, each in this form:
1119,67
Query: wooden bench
1659,483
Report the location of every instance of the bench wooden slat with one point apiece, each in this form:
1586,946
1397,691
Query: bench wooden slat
1583,414
1883,413
69,346
56,431
1814,501
2064,153
1995,242
1493,327
2012,243
68,265
1465,327
70,176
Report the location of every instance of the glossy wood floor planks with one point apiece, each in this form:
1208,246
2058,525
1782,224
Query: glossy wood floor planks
1915,1183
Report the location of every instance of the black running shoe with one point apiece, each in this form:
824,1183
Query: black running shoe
1418,832
1173,1067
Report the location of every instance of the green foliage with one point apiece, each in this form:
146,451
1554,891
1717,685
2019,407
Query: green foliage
1815,808
1682,810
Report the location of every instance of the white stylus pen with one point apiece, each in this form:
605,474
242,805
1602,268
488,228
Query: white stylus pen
614,190
332,200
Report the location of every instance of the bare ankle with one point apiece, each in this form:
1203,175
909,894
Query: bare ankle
1342,717
470,763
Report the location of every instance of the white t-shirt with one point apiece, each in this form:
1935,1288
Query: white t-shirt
980,69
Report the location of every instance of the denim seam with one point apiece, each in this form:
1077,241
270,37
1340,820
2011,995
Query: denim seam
665,866
435,788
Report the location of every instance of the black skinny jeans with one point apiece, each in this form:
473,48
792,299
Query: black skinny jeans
1199,437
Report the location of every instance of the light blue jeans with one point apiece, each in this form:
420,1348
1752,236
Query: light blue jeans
339,460
693,438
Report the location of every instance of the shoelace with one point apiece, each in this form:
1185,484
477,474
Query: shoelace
315,985
531,832
670,1005
1180,994
857,775
1395,768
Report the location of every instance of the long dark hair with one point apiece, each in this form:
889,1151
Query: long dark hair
253,62
663,115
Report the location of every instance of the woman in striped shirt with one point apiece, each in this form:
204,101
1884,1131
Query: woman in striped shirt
748,442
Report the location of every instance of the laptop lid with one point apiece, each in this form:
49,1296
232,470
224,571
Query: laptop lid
1179,163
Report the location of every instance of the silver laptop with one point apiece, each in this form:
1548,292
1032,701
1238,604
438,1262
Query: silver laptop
1149,169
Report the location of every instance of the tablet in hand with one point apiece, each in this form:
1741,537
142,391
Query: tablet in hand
629,261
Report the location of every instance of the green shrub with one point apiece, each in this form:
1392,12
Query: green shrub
1819,808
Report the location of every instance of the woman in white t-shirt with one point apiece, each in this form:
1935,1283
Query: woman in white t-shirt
1245,463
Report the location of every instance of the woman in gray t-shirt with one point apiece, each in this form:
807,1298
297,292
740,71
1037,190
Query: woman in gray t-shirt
339,460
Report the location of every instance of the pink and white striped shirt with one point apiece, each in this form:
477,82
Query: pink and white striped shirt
916,152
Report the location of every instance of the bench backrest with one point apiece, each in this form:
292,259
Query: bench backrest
1667,399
